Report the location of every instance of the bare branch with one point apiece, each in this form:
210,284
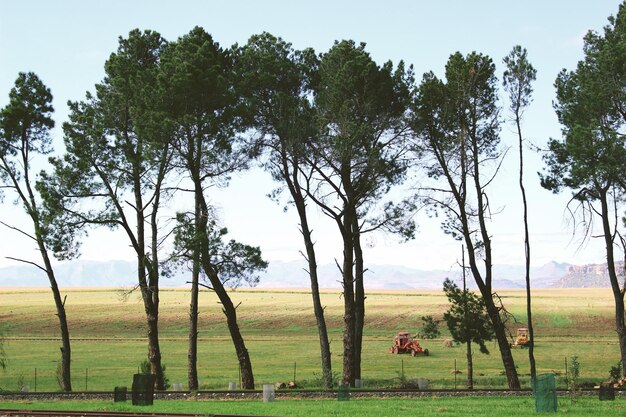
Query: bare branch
28,262
18,230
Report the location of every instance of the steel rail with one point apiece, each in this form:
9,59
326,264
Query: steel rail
290,392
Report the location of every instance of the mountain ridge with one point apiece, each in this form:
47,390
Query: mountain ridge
292,274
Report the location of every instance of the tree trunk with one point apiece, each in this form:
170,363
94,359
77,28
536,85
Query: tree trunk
230,311
327,374
65,380
192,354
154,348
529,315
621,332
503,343
485,287
245,365
151,308
359,299
28,199
618,292
299,200
66,352
349,316
470,365
492,310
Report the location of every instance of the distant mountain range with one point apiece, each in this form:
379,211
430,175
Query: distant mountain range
588,276
80,273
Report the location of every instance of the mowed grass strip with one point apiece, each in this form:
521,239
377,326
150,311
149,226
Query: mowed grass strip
426,406
109,340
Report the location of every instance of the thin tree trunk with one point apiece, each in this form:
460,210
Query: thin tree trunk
349,319
66,351
503,344
230,311
493,311
153,276
32,210
618,292
299,200
359,299
148,292
470,360
531,333
192,354
154,348
486,290
327,374
470,365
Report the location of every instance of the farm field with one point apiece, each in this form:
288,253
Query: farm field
108,343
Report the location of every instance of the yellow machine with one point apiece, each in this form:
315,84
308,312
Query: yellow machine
522,339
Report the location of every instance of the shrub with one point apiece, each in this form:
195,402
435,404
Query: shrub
573,378
144,368
616,372
430,329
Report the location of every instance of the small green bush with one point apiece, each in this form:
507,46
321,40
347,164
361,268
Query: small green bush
430,329
573,378
144,368
616,372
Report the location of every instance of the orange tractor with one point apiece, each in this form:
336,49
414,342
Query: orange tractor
404,343
523,338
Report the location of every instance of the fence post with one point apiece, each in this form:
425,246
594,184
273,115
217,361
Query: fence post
86,377
35,379
454,373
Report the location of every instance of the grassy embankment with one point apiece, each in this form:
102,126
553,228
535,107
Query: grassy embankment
109,342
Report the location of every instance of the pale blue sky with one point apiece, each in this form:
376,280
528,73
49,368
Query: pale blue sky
67,42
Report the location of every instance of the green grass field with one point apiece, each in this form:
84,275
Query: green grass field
427,406
108,341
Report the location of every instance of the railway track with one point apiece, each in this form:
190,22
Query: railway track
285,393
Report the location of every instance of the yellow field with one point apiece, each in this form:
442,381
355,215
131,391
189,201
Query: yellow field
107,328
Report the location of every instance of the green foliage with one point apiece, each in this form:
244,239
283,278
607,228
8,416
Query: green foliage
196,77
430,328
573,377
27,116
591,157
115,145
518,79
467,318
361,109
20,383
25,125
457,128
59,375
233,261
615,373
144,368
